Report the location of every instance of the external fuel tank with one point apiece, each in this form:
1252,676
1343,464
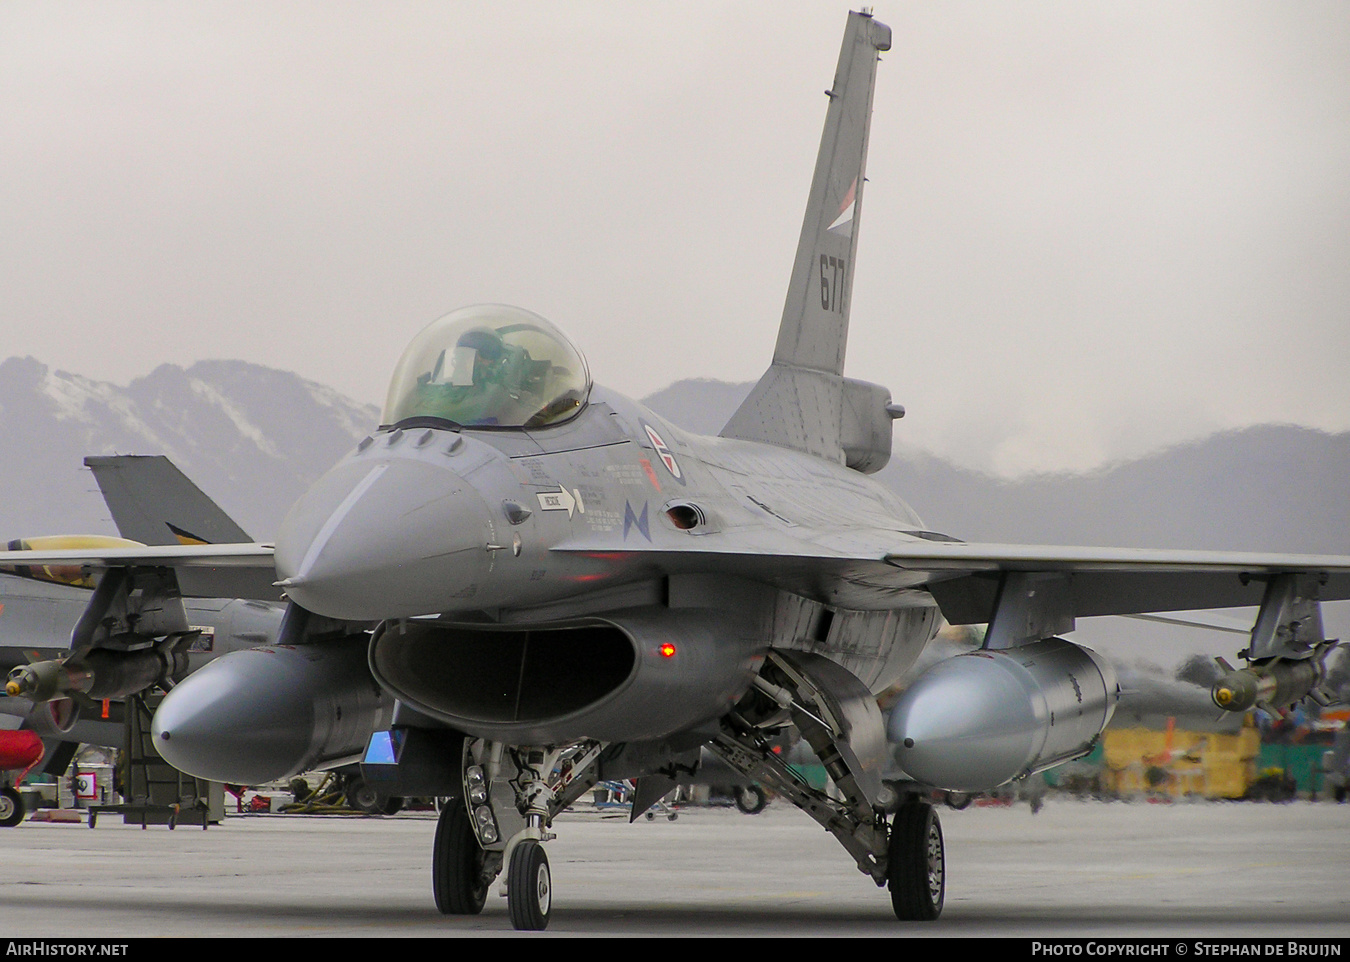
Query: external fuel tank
980,719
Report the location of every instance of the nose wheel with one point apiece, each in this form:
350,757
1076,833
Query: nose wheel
516,791
529,887
916,872
460,877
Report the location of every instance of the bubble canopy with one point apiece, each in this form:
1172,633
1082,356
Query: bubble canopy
490,366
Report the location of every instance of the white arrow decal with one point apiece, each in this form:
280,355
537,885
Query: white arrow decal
560,500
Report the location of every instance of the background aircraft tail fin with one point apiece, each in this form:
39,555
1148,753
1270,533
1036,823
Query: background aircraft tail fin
799,402
153,502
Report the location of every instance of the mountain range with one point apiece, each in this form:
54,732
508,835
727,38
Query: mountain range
254,438
251,437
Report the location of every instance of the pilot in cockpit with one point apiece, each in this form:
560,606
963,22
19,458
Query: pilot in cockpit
479,359
486,380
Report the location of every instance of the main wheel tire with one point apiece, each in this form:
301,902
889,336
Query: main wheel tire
916,873
751,799
11,808
529,887
457,880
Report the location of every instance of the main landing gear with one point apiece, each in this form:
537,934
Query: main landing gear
838,718
363,797
511,795
916,871
751,799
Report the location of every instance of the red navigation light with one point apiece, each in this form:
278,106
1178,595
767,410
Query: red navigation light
667,650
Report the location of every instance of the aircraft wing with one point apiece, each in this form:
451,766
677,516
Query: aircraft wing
1114,581
877,570
863,570
204,570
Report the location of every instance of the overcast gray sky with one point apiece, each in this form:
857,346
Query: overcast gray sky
1090,228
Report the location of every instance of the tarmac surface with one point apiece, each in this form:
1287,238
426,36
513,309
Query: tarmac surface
1076,869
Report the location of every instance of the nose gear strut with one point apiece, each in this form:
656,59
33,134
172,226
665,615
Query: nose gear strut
510,798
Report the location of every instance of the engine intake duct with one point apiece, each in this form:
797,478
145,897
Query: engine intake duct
639,674
508,675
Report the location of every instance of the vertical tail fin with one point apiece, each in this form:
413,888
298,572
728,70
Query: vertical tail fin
798,403
153,502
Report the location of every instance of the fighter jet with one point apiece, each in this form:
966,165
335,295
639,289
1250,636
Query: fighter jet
559,586
63,691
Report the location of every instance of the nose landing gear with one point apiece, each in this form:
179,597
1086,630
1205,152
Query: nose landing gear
510,797
529,887
461,871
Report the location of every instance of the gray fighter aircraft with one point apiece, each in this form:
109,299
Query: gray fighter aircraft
70,692
559,586
48,639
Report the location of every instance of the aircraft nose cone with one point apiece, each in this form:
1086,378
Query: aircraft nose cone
376,539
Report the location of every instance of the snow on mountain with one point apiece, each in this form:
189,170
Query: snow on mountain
250,436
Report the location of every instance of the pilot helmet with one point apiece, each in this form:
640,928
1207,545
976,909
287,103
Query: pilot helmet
485,341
